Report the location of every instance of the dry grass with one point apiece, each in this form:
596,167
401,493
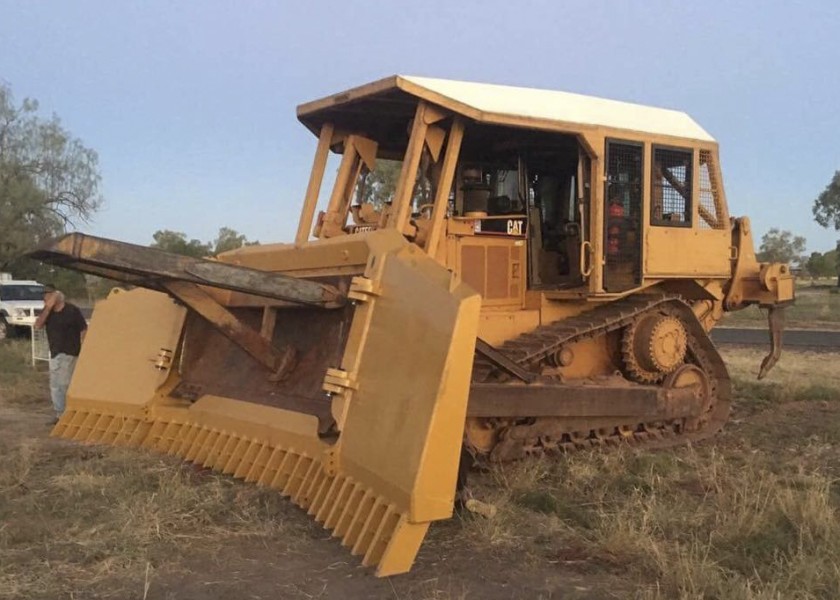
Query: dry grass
794,370
816,307
114,517
77,520
689,524
18,383
753,515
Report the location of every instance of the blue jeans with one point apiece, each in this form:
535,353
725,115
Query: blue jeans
61,370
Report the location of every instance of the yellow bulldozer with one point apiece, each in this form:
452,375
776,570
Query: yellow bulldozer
542,277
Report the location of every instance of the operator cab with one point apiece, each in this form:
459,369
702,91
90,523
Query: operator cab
527,184
517,206
518,189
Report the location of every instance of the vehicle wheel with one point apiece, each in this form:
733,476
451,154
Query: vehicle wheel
5,330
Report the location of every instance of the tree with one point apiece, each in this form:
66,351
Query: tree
826,210
826,207
229,239
822,264
177,243
378,186
781,246
49,180
837,262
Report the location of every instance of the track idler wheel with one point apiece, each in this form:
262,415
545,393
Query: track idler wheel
654,346
687,376
481,435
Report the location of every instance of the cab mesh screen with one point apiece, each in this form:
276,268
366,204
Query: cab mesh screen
671,187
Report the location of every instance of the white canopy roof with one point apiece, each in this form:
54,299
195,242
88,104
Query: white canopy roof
505,104
563,107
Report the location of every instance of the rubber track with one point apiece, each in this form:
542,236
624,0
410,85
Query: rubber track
532,348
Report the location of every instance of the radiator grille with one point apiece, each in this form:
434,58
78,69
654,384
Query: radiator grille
473,269
498,268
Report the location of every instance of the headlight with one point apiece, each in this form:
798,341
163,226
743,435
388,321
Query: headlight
18,312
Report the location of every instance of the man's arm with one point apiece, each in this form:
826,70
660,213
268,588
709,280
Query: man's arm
42,318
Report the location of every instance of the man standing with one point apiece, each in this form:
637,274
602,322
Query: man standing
66,329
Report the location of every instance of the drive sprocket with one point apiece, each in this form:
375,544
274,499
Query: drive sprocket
653,346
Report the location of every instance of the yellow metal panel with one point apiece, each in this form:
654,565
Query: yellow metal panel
118,359
402,547
687,252
311,258
387,439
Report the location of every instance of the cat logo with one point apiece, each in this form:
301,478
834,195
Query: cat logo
361,228
514,226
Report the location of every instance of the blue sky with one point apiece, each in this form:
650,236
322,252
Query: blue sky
191,105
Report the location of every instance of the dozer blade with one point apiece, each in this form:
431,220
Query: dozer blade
365,431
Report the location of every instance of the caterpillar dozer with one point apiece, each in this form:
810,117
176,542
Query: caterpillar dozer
541,276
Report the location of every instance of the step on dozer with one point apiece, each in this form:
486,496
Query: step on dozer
348,396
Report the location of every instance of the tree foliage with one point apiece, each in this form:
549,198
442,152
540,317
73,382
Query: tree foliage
49,179
826,207
781,246
229,239
378,186
822,264
177,243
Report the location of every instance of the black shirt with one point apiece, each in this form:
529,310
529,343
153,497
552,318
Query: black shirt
64,329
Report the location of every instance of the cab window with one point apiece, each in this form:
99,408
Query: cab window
670,188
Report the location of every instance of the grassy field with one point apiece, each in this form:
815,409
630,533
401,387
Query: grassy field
80,522
752,514
817,307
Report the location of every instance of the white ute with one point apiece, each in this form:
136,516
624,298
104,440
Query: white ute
21,302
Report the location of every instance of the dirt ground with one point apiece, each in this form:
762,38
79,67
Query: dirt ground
299,561
87,522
